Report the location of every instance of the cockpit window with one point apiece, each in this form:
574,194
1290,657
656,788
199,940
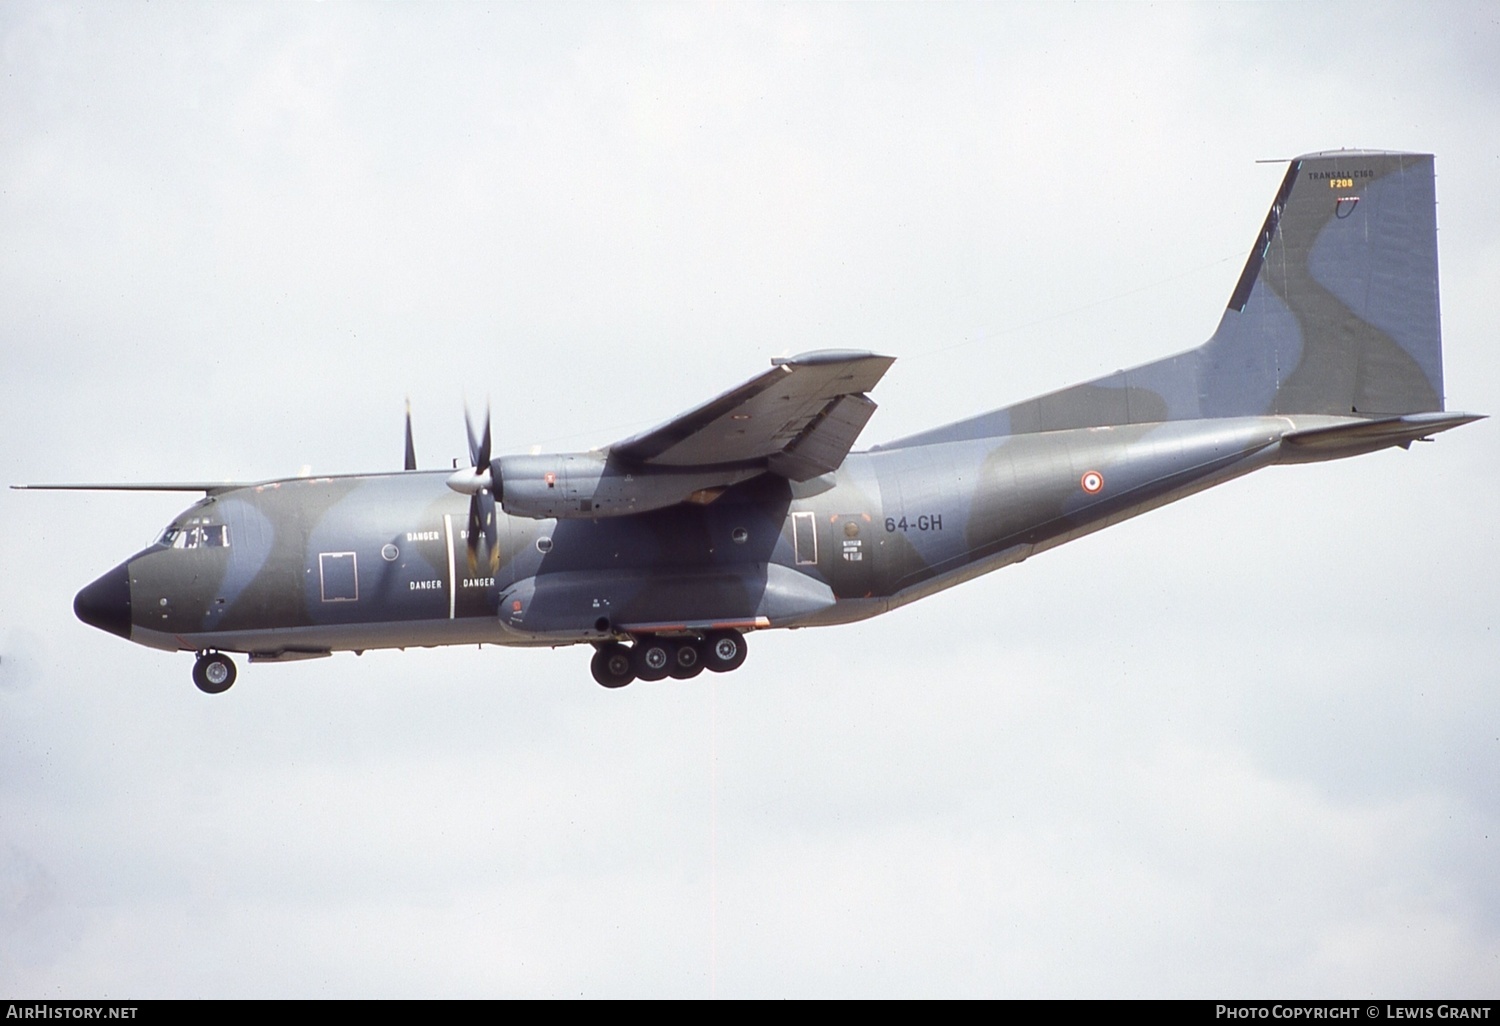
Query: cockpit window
197,533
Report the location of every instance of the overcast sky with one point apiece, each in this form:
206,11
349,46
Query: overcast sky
1245,745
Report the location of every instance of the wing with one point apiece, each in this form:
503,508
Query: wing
799,419
206,487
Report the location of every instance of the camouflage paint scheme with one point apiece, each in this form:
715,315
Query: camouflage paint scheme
1329,347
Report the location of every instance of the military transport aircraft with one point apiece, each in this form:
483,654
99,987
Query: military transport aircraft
750,511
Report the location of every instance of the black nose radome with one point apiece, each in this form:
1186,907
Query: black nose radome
105,604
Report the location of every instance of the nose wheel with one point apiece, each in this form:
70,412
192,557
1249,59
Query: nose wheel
652,658
213,673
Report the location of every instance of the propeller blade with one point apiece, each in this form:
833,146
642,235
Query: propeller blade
481,497
473,442
411,448
483,462
476,528
482,525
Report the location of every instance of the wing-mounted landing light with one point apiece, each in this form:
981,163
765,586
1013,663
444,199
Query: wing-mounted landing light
478,483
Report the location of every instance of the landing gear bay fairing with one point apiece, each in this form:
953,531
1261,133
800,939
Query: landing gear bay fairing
665,550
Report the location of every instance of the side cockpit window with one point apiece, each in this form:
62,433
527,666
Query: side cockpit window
198,533
212,536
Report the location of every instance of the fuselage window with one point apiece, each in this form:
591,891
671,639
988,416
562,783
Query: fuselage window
339,576
805,538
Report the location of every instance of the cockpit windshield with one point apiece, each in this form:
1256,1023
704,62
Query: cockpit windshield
197,533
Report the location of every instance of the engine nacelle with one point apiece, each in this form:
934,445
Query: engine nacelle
584,485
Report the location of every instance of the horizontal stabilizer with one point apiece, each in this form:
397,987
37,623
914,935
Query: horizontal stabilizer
1356,437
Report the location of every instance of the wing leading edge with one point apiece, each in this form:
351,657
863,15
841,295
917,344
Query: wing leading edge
206,487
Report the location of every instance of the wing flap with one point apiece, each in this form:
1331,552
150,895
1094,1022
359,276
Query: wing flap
796,405
827,439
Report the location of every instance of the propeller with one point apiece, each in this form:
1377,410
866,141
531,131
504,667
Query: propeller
411,448
477,483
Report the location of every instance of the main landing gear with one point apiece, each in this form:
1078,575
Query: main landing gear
213,672
656,658
614,664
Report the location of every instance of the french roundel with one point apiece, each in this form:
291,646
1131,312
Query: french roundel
1093,482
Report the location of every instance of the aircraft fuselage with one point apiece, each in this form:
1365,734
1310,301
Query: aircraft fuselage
305,566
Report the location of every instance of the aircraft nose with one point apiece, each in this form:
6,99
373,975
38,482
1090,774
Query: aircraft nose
105,604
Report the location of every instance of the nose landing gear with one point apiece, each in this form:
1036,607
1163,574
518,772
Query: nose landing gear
654,658
213,672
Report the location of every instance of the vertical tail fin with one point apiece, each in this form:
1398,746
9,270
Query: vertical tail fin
1336,312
